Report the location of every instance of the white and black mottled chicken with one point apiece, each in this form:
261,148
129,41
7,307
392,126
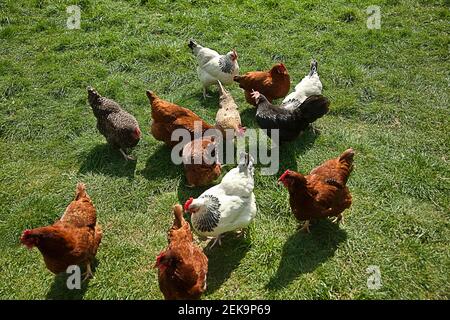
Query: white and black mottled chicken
213,66
290,123
120,128
309,86
228,206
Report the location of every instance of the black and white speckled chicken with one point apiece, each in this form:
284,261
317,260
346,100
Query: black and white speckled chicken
227,206
213,66
120,128
290,123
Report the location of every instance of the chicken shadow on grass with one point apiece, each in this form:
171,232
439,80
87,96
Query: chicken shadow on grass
160,165
59,290
223,259
304,252
211,102
184,192
104,159
290,151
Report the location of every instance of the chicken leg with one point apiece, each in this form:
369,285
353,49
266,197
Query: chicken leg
205,94
305,226
338,218
127,157
217,239
88,274
200,239
241,233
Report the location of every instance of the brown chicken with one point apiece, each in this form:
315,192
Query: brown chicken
72,240
228,117
168,117
182,267
200,159
323,193
273,84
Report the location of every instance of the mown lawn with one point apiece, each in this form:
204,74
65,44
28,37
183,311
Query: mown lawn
390,102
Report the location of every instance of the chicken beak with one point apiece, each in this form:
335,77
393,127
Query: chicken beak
281,182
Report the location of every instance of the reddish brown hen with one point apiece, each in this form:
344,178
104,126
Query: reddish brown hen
323,193
167,117
182,267
201,164
273,84
72,240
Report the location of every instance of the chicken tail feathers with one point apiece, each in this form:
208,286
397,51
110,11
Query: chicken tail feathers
313,108
222,90
192,44
347,156
178,213
313,67
151,96
81,191
246,162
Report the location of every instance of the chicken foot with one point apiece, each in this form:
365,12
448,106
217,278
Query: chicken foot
241,233
217,239
305,226
199,239
338,219
314,130
88,274
205,94
127,157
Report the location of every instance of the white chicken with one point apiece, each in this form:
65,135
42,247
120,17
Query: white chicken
309,86
212,66
228,206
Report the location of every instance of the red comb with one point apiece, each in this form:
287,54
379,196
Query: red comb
158,259
284,175
25,233
23,239
241,131
188,203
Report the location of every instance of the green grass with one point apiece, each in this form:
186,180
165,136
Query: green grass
390,102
